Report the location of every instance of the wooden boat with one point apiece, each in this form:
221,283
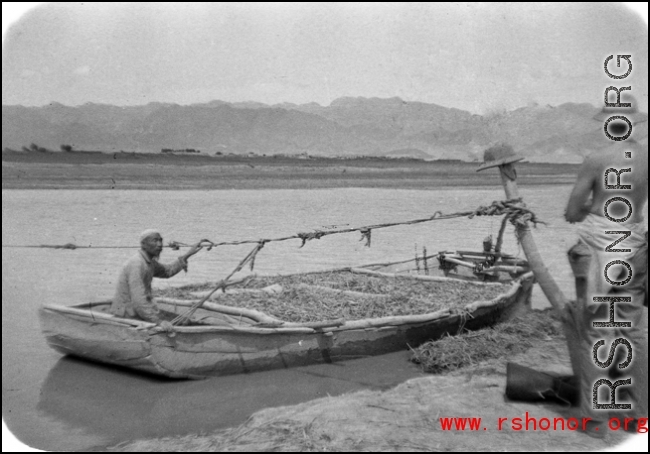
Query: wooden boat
230,340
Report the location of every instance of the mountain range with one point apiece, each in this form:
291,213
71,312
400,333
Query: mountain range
347,127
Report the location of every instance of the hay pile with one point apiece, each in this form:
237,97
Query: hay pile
270,436
303,298
501,341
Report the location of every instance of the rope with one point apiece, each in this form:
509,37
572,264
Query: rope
382,265
250,258
71,246
487,263
318,234
516,213
513,209
502,230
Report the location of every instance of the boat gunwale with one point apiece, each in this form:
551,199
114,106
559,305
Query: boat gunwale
288,327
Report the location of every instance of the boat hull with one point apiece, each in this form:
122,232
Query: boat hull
196,352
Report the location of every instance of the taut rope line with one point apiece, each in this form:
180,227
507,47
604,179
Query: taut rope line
516,213
513,209
250,258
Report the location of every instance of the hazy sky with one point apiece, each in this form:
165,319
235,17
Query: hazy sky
473,57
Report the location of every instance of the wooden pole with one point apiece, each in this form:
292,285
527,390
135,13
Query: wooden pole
571,319
544,278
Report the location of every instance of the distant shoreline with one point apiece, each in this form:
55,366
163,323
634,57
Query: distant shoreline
182,172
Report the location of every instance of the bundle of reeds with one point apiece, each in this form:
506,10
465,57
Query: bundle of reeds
500,341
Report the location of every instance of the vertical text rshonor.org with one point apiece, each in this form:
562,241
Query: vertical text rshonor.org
610,249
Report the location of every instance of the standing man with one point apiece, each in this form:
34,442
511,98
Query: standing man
133,298
590,204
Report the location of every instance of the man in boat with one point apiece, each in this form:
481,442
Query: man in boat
133,298
587,206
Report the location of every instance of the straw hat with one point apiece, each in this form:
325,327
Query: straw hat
607,112
499,155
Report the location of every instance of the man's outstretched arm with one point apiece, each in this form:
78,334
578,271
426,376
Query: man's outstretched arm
167,271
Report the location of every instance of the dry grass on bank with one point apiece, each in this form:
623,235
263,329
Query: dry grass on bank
270,436
503,340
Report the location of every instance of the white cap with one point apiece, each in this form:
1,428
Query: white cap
147,233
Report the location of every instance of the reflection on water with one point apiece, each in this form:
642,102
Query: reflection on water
75,390
121,404
89,400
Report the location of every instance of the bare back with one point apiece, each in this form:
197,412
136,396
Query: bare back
591,182
614,157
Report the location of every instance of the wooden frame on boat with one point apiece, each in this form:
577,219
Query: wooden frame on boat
488,266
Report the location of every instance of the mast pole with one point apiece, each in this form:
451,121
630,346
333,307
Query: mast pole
525,236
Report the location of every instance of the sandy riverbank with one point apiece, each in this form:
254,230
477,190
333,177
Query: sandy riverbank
406,418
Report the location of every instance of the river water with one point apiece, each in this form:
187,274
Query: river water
57,403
